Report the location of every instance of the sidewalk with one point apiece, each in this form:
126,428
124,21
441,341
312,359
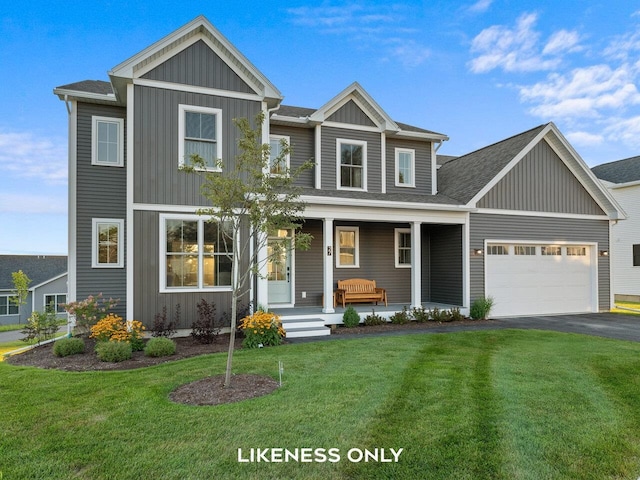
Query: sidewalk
15,335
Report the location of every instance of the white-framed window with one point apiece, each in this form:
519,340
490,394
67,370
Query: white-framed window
524,250
54,301
351,164
576,251
403,247
7,307
195,254
107,243
348,244
405,167
278,166
497,250
199,133
107,141
551,250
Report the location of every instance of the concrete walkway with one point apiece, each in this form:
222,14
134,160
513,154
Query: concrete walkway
15,335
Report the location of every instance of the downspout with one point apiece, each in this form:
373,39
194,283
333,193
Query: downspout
66,103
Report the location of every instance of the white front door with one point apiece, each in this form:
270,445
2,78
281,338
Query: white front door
279,273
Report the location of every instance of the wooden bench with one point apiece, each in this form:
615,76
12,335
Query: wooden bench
359,290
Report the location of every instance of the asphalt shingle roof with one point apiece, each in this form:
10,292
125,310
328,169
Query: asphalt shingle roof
39,268
621,171
89,86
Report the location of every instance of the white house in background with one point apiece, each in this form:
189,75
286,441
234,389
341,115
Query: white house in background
623,180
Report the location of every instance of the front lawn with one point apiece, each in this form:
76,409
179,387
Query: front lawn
509,404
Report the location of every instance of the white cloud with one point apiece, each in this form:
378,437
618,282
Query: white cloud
585,139
562,41
409,53
24,203
480,6
625,130
23,154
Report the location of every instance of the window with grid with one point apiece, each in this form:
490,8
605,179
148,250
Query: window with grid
108,243
497,250
7,307
278,163
403,247
550,250
55,302
352,161
348,247
405,167
524,250
200,132
107,136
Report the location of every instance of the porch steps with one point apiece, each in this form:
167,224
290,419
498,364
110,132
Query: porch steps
305,327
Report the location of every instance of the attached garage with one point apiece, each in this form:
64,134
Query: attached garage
541,278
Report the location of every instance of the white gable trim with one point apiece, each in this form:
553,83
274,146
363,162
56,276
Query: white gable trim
53,279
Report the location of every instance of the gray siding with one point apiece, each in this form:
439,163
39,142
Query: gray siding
199,65
445,258
329,145
302,150
351,113
309,268
508,227
541,182
422,166
58,286
157,179
101,193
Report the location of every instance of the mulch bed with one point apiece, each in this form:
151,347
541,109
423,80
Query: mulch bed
211,391
411,326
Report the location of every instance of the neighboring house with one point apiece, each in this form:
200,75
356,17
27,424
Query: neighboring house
623,180
48,287
523,220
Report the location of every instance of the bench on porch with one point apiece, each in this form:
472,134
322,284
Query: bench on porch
359,290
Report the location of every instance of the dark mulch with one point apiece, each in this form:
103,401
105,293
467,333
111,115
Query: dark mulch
211,391
393,327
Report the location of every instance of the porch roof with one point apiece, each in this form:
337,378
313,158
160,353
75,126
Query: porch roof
438,199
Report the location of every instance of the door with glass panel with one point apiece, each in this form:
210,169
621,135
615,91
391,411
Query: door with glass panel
279,268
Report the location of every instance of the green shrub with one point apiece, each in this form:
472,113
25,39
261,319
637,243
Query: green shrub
160,347
400,318
40,326
481,307
113,351
420,314
350,318
374,319
456,316
68,346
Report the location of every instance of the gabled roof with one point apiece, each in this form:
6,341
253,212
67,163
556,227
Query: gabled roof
39,268
621,171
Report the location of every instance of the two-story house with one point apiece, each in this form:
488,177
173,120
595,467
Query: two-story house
523,220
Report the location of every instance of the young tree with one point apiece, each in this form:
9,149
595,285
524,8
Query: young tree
20,288
249,203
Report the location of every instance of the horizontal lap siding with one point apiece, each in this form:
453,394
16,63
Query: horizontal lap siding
446,264
301,141
100,193
309,268
422,166
546,229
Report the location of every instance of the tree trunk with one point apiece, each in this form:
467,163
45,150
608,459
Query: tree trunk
234,308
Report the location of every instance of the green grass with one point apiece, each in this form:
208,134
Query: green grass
11,327
473,405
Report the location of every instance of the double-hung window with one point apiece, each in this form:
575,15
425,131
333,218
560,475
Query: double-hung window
405,167
7,307
195,254
107,136
278,163
352,164
403,247
348,243
54,302
200,132
107,243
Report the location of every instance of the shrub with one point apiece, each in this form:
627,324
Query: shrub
456,316
113,328
374,319
113,351
162,328
481,307
160,347
350,317
262,329
89,311
40,326
204,329
400,318
68,346
420,314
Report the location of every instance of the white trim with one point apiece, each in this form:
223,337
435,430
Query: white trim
466,263
279,138
95,223
385,204
143,82
615,186
412,152
396,247
356,259
44,301
524,213
416,265
57,277
327,264
119,122
318,153
434,170
183,109
383,162
351,126
346,141
64,92
72,197
348,212
130,253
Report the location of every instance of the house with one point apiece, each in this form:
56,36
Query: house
622,178
47,289
523,220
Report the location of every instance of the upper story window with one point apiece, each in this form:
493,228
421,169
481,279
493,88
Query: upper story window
7,307
107,243
278,164
348,242
403,247
107,136
352,164
405,167
200,132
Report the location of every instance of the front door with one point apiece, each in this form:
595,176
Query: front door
279,273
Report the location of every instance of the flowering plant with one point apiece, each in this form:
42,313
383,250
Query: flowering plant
262,329
113,328
88,311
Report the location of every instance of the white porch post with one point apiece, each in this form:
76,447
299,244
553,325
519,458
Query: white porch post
262,287
328,252
416,266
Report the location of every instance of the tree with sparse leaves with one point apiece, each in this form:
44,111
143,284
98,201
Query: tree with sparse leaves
249,198
20,288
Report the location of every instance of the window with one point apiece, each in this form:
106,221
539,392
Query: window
352,164
347,239
497,250
54,302
195,254
636,255
551,250
524,250
107,136
108,243
576,251
403,248
200,132
7,307
278,166
405,167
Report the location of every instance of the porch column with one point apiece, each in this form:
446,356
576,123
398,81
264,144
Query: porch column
328,252
262,284
416,265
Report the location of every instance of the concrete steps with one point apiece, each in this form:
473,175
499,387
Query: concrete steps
305,327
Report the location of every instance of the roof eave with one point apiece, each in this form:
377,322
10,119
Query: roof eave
66,94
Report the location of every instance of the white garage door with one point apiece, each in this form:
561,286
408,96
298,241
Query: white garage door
528,279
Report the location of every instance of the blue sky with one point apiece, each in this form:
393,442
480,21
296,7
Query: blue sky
477,71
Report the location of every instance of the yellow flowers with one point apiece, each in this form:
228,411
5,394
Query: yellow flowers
114,328
262,329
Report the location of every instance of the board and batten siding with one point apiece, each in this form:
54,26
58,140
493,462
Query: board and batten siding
100,193
541,182
329,156
422,164
542,229
351,113
302,143
625,234
200,66
445,259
